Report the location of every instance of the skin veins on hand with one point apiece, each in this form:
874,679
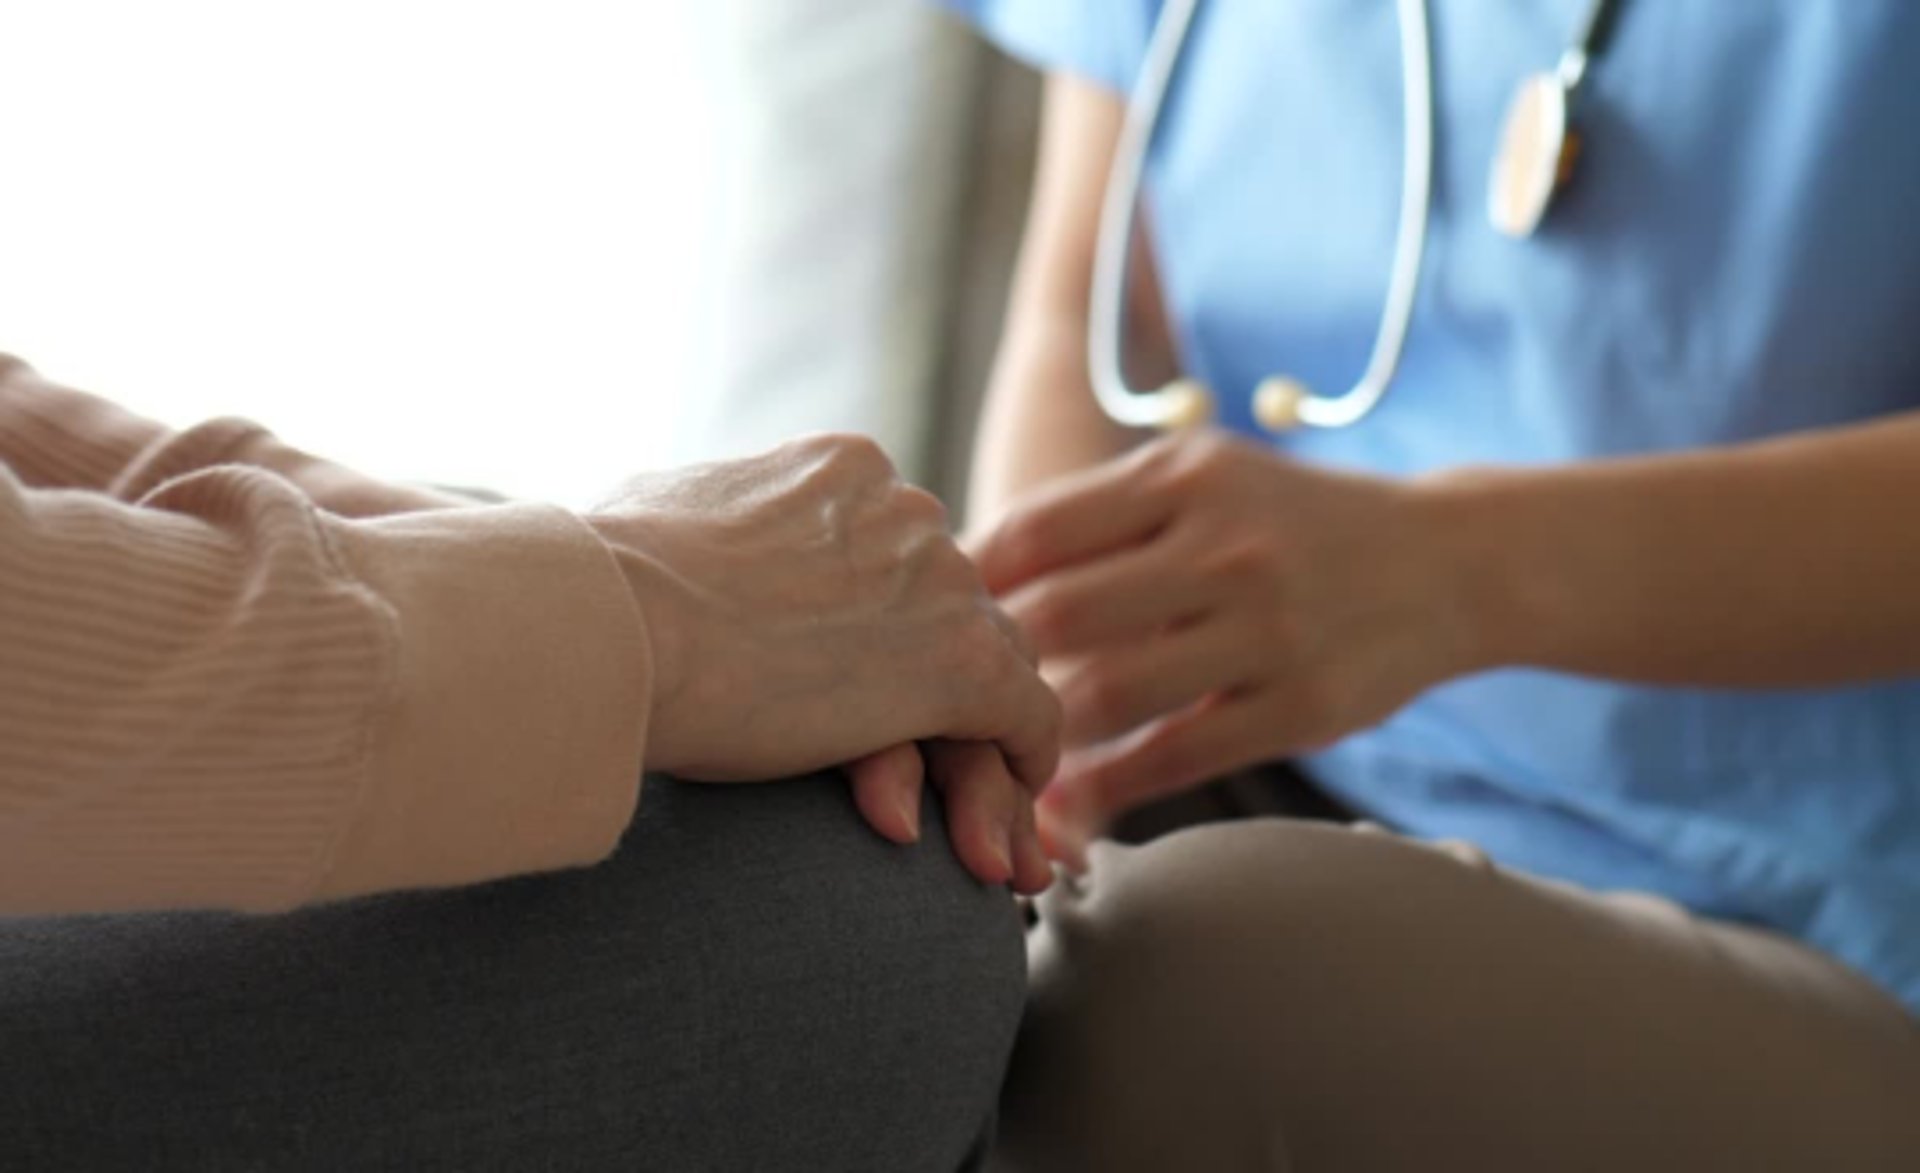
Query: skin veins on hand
809,610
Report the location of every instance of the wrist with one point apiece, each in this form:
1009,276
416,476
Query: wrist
1489,564
650,584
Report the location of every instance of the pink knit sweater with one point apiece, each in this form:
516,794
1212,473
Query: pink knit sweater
225,681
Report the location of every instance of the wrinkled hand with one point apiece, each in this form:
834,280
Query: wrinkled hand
809,610
1203,604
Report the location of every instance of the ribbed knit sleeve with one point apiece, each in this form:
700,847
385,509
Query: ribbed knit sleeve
214,693
53,437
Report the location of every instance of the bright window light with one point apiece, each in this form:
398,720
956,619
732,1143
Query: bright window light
442,241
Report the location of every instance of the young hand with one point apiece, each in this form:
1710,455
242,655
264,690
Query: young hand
1203,604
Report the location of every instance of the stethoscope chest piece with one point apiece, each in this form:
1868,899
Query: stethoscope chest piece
1539,146
1536,158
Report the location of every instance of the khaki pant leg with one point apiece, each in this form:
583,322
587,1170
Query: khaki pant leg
1275,995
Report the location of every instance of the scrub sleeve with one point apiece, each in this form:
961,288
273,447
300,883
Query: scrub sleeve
1103,41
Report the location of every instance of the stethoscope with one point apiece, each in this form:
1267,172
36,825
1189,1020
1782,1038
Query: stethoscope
1538,148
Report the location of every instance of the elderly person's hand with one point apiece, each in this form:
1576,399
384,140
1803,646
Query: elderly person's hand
810,610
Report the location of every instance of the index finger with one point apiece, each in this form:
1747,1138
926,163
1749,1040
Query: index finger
1077,518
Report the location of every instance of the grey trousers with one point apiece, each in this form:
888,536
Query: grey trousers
755,982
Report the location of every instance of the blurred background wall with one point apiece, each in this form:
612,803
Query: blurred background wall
530,247
877,176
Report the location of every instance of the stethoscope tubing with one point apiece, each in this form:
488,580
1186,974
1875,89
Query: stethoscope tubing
1186,401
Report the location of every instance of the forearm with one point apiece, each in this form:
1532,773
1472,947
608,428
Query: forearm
220,696
1040,421
1793,562
53,437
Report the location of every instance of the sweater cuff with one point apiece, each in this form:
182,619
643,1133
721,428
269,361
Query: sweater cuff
513,738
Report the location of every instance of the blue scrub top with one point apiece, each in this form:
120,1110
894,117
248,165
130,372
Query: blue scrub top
1739,257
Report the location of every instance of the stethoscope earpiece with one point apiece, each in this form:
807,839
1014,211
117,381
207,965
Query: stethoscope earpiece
1188,404
1278,404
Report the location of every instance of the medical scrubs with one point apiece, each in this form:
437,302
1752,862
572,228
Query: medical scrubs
1738,257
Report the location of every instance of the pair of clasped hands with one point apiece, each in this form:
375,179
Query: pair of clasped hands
1187,609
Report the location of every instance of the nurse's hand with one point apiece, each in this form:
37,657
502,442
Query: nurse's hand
1202,604
808,610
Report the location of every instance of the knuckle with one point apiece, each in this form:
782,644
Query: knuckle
818,445
1023,713
979,655
1022,537
1247,561
1044,717
919,505
852,452
1022,642
1047,617
948,569
1104,698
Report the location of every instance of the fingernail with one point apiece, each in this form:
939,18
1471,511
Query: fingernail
910,815
1033,860
1002,848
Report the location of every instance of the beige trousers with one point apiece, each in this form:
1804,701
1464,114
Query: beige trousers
1279,995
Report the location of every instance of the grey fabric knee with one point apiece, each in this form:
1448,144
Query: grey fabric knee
756,981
